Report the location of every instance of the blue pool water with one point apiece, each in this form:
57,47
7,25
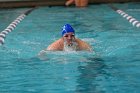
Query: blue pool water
113,67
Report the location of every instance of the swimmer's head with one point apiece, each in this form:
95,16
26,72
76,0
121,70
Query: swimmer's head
67,29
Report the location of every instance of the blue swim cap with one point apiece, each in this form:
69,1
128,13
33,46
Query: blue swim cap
66,29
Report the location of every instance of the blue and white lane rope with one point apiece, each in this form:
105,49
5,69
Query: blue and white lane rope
13,25
131,20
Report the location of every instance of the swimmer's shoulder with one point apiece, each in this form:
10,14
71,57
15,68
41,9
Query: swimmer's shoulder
57,45
83,45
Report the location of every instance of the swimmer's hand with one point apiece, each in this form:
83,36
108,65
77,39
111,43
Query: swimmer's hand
42,54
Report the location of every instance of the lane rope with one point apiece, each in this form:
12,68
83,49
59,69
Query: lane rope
130,19
13,25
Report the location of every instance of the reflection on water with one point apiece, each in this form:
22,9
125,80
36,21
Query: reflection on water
89,73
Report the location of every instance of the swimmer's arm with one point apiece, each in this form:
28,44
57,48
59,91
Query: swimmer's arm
89,48
84,46
56,46
69,2
50,48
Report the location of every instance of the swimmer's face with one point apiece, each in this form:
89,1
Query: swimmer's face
69,38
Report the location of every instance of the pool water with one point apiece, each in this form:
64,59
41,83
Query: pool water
113,66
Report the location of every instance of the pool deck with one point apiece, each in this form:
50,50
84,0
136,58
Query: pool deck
33,3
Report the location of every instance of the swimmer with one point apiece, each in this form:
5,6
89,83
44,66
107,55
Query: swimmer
78,3
69,42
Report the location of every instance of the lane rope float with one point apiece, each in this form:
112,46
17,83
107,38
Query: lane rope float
131,19
13,25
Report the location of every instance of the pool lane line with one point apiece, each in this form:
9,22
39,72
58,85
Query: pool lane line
13,25
131,19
